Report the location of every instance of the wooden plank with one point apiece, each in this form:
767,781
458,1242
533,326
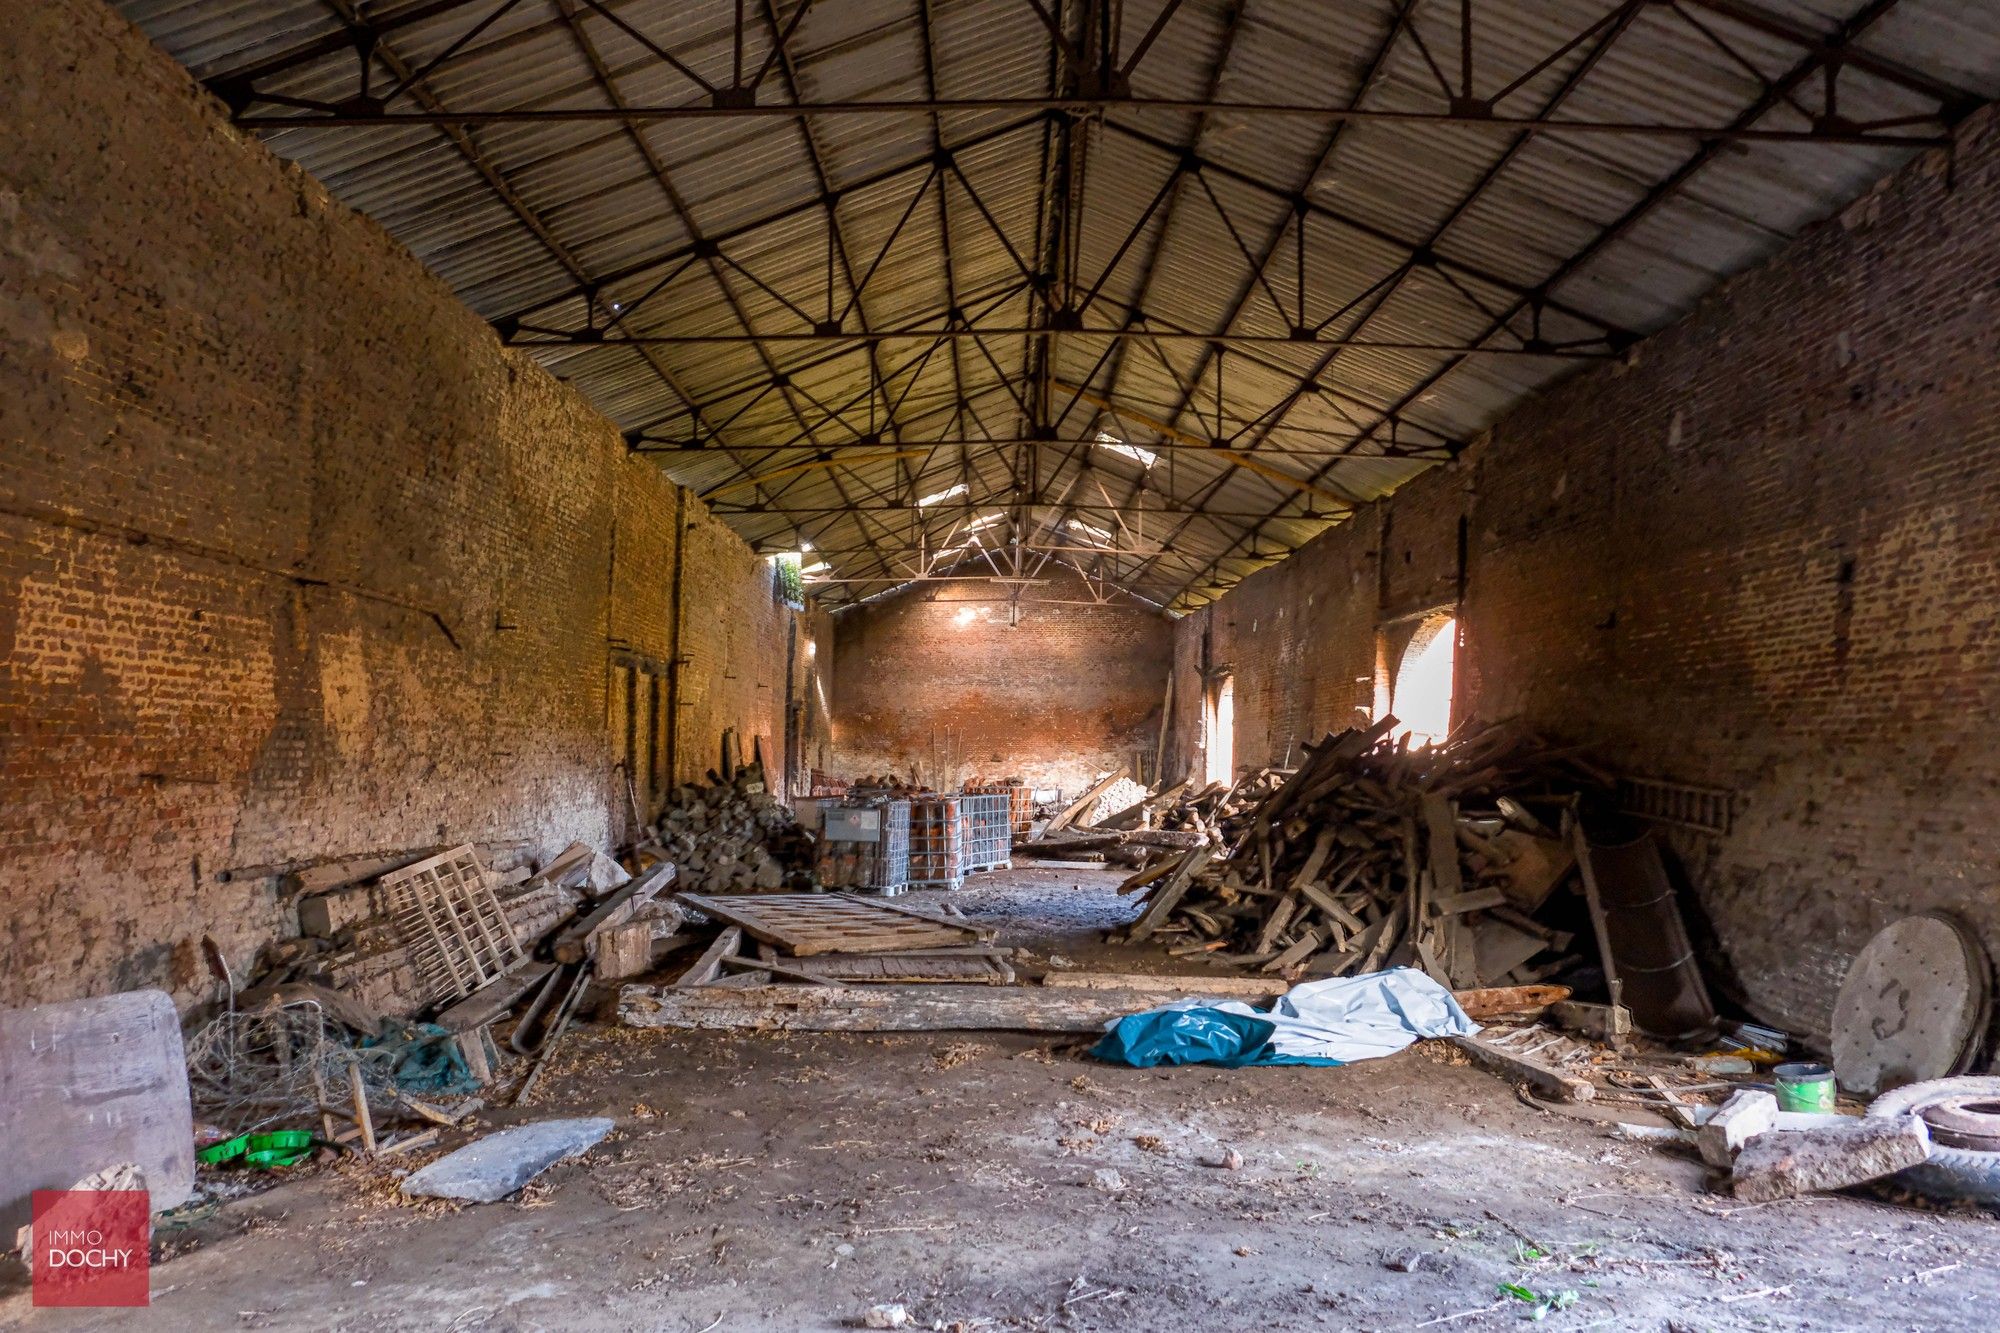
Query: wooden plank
1163,867
703,969
880,1008
1170,893
985,967
1519,1069
495,998
574,942
1231,988
1279,917
362,1120
904,909
770,969
1599,924
1083,802
1471,900
1307,945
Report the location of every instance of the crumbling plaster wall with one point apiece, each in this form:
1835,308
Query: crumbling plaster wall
939,682
1761,556
295,560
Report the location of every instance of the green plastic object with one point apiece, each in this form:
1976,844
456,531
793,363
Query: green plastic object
1804,1087
281,1138
215,1154
280,1147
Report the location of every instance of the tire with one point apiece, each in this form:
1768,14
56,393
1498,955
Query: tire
1951,1173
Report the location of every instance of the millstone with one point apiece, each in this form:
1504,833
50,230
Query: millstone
1913,1005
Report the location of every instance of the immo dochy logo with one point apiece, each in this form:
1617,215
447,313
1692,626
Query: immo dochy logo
90,1247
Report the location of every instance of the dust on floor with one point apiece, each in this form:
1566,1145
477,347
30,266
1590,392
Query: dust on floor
1004,1182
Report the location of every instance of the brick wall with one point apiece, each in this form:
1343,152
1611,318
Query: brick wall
1761,556
943,682
295,560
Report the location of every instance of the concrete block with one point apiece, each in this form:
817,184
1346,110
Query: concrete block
1744,1116
1783,1163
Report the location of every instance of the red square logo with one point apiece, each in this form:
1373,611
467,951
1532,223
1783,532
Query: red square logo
91,1247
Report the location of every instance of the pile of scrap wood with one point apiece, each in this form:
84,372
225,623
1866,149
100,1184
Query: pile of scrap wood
447,940
734,836
1372,854
1112,819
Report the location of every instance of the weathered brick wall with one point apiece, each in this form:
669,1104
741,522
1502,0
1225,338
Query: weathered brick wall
937,681
1762,556
295,560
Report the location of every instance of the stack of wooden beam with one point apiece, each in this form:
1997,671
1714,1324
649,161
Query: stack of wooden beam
1372,854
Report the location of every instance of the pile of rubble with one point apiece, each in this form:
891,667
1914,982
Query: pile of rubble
733,836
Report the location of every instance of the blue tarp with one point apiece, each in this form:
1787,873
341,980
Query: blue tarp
1331,1022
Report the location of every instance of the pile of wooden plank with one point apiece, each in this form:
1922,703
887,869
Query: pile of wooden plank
838,939
1372,854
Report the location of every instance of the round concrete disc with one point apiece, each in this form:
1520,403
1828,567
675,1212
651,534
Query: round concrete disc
1913,1004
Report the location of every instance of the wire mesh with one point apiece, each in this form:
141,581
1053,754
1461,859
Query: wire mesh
937,843
988,833
882,865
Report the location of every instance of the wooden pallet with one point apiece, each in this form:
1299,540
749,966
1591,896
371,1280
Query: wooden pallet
970,966
806,924
458,936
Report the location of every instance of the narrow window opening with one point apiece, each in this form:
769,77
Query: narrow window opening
1219,730
1420,688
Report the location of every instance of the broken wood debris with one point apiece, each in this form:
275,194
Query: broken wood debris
1373,854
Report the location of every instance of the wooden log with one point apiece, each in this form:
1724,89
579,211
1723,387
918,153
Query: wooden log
946,1008
1492,1001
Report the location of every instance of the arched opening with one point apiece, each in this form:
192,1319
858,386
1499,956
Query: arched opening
1420,691
1219,730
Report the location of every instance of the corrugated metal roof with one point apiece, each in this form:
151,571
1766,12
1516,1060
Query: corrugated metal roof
569,218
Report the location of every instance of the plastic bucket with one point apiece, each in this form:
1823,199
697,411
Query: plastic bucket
1804,1087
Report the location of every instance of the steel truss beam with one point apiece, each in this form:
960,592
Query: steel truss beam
530,337
334,116
1829,53
1088,96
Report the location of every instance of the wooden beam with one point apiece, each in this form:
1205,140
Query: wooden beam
923,1008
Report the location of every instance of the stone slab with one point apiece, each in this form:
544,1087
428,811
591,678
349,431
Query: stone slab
1784,1163
1913,1001
494,1167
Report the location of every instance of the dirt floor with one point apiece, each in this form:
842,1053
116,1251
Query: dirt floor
1005,1182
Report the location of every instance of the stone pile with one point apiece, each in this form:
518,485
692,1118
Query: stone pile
733,836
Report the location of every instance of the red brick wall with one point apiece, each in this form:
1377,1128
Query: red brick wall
1761,556
938,681
295,560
